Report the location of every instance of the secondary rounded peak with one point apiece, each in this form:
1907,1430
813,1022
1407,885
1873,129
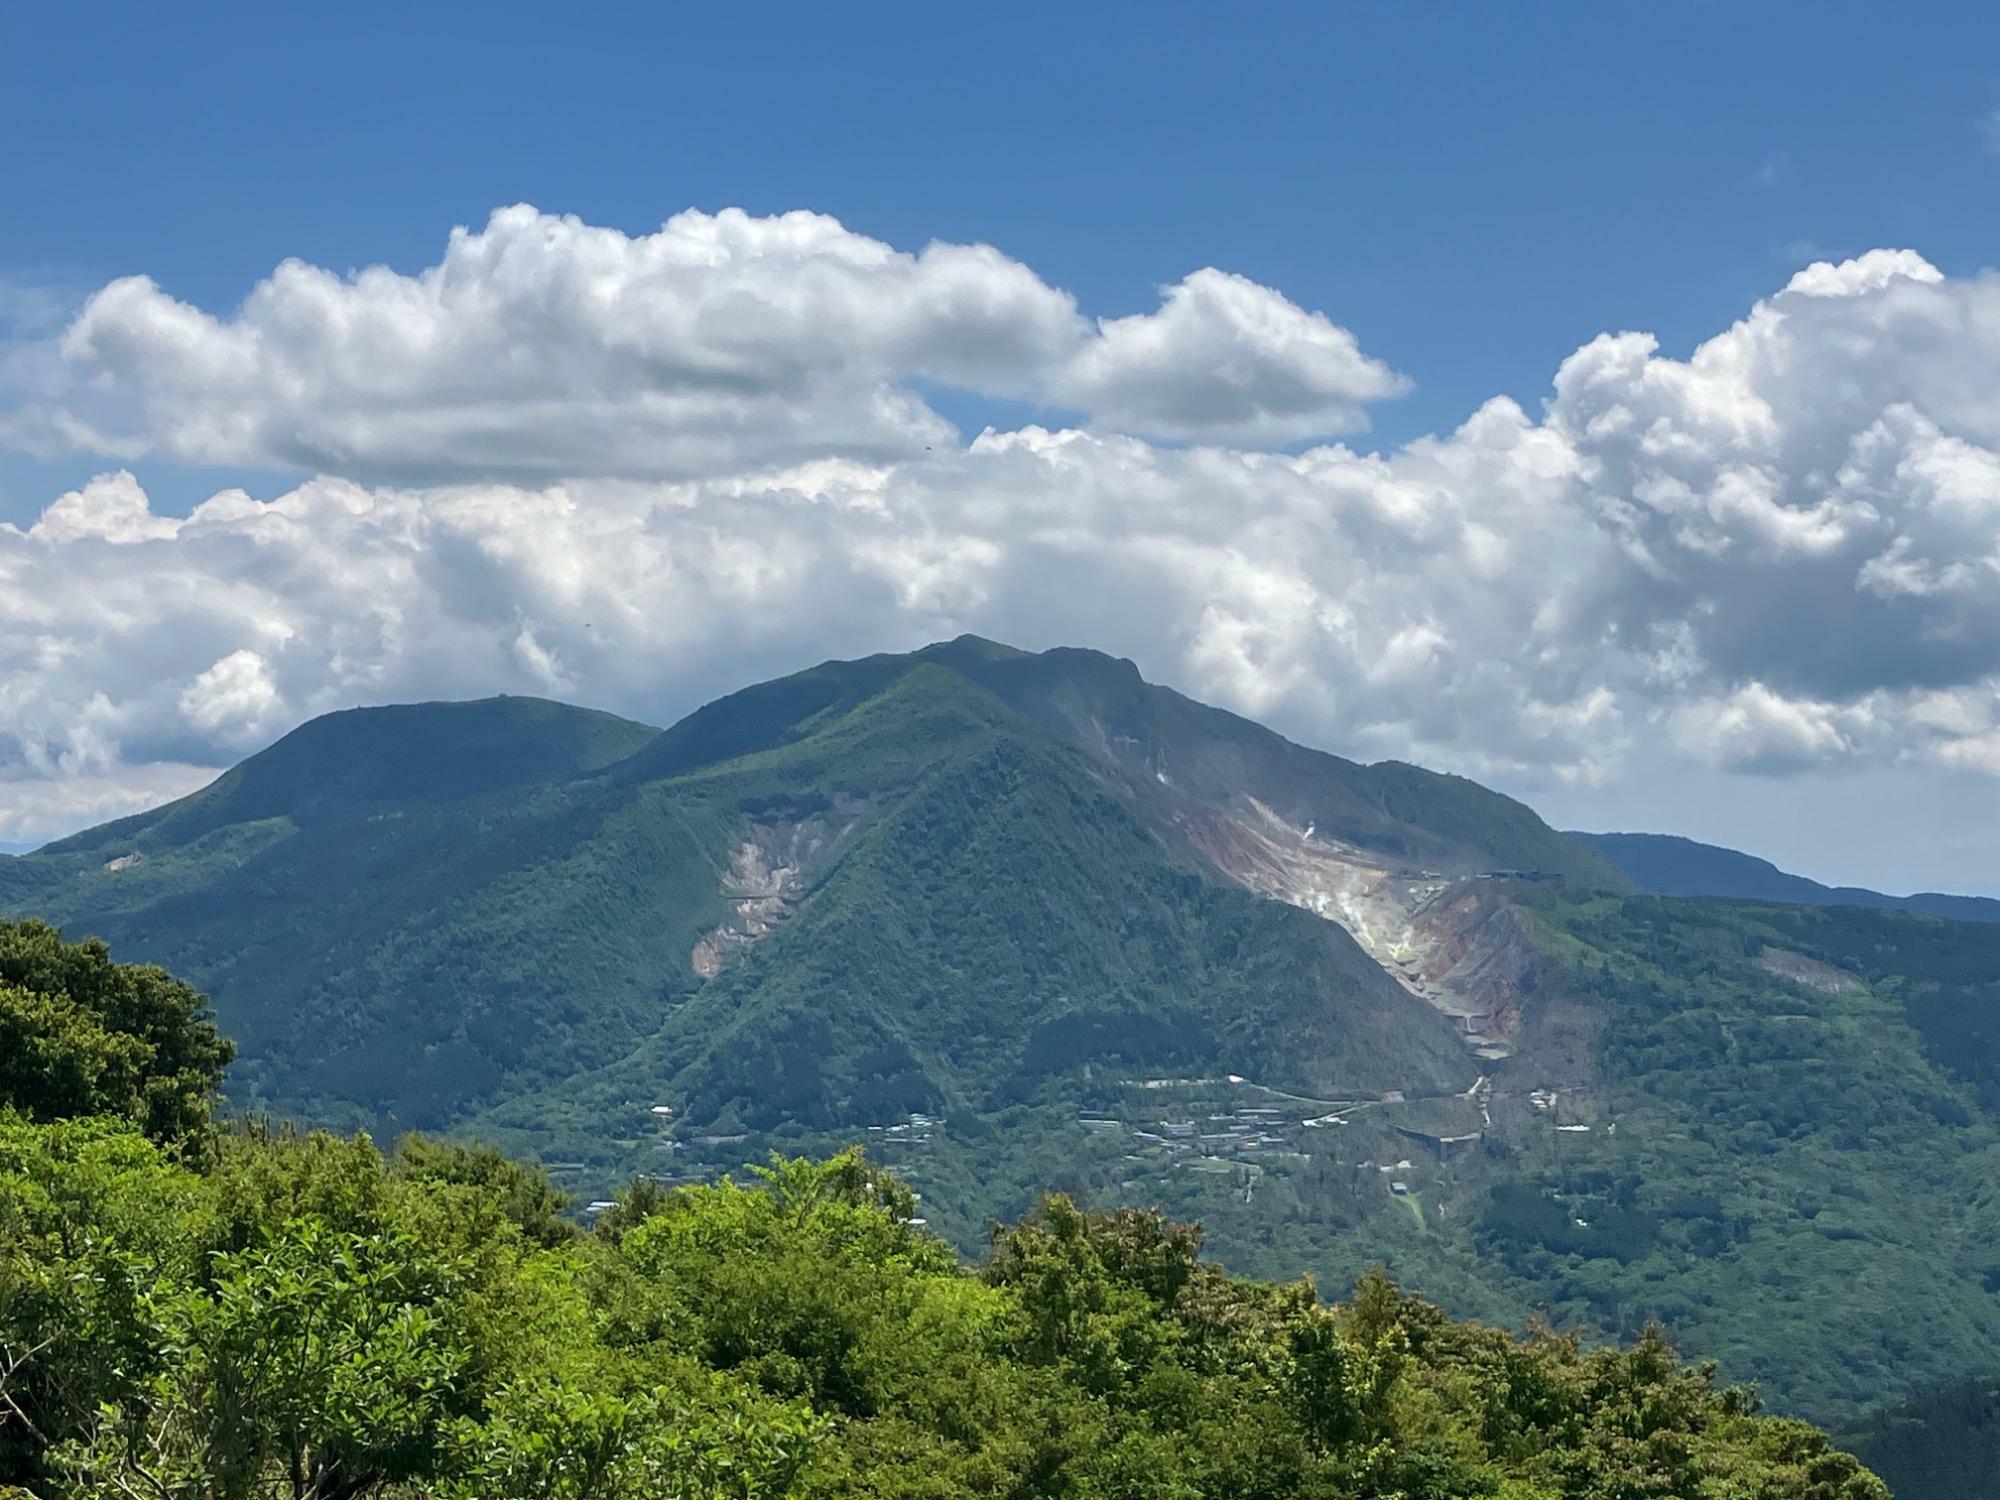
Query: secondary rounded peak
429,752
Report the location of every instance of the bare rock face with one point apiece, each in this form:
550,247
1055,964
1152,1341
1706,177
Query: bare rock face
1809,972
1479,962
770,872
1457,944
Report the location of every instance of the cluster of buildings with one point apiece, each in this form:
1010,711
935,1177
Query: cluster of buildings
1405,1141
889,1144
916,1129
1250,1135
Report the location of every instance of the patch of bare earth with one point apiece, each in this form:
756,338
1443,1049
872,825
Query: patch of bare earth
1809,972
769,873
1457,944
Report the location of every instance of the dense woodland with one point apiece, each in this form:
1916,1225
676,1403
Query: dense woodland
480,920
411,915
1772,1139
204,1310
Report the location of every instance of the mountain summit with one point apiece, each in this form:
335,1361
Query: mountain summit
1027,920
1024,861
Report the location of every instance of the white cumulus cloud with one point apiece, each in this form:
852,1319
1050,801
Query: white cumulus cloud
1227,360
233,700
1780,553
542,347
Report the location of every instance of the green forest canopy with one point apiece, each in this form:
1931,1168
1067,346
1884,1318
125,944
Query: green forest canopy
191,1310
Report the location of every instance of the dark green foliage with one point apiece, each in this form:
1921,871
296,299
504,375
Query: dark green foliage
485,917
1011,922
81,1035
1520,1218
404,915
1774,1170
349,763
309,1319
1942,1444
1946,974
1795,1165
387,967
1664,865
765,717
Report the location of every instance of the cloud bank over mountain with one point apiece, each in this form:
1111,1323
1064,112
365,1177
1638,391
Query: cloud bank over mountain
541,348
639,470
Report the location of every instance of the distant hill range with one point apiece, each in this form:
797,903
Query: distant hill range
1024,921
914,882
1664,865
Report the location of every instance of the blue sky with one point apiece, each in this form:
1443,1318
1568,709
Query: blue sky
1474,192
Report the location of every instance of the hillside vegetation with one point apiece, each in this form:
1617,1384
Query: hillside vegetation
1942,1444
1666,865
405,913
1021,923
258,1312
1797,1181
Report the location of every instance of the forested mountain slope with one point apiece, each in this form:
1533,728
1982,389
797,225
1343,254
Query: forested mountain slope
1021,922
404,912
1667,865
189,1308
1942,1444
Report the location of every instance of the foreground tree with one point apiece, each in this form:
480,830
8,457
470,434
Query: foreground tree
81,1035
297,1315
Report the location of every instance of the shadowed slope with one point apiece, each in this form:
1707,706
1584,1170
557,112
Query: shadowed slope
1667,865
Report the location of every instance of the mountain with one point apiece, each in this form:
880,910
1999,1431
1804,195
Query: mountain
349,764
403,913
1666,865
1028,921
